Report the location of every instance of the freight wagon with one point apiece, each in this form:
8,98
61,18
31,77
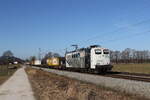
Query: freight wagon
36,62
55,62
91,59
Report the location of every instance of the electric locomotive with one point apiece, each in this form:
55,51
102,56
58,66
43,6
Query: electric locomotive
93,58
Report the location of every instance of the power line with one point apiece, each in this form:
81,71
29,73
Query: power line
120,38
128,36
121,28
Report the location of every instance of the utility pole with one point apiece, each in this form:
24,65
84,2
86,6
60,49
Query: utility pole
39,53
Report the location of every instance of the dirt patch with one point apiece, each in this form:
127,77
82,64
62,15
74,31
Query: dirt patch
48,86
3,79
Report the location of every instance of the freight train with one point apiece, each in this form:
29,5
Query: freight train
93,58
56,62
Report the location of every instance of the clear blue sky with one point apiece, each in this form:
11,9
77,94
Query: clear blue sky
52,25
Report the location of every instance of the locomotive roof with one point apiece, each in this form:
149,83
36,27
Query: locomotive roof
82,49
78,50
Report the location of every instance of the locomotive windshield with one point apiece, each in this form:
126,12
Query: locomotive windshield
106,51
98,51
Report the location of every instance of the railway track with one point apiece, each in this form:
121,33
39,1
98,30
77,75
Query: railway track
120,75
130,76
126,75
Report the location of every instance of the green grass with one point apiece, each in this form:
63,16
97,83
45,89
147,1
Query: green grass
134,68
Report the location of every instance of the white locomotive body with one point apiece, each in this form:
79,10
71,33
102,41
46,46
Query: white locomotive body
91,58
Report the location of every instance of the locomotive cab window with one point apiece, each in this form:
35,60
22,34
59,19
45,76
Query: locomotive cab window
98,51
106,51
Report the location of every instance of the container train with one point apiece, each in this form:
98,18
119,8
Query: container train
56,62
94,58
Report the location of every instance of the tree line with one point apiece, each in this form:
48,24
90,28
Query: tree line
130,56
46,56
9,58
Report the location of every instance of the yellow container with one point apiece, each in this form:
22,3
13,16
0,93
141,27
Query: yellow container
49,61
53,61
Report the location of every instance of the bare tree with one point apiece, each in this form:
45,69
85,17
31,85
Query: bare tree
49,55
130,56
32,58
117,56
56,55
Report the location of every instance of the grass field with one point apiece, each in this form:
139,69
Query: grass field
5,73
134,68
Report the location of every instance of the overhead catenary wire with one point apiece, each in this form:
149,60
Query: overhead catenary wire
115,31
128,36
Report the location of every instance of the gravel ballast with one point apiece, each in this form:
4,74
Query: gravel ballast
126,86
50,86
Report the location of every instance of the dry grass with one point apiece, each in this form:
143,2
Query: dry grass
5,73
3,79
48,86
135,68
